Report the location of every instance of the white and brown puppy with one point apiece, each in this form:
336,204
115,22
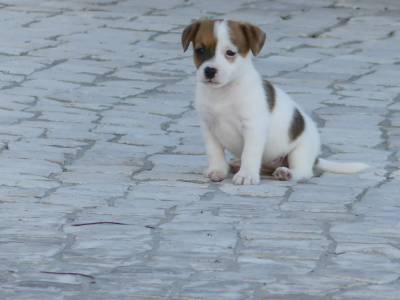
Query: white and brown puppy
254,120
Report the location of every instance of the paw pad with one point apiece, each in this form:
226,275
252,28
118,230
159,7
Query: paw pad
283,173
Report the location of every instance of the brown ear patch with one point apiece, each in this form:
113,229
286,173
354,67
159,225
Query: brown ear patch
238,38
201,35
246,37
188,34
205,39
270,94
297,126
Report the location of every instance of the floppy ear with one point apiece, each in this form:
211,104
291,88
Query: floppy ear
189,34
255,37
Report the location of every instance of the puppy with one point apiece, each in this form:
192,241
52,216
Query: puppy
254,120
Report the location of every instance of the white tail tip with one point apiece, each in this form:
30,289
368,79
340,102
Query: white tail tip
341,167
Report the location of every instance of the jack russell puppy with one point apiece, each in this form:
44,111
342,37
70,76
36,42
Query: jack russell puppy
254,120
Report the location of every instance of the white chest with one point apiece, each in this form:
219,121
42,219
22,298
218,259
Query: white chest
225,124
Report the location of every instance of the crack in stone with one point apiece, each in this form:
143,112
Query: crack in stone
92,278
342,22
169,215
325,257
179,286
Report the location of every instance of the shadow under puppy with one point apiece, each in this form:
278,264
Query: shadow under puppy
254,120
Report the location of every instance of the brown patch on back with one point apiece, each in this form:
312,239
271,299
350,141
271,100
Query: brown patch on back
201,34
270,94
297,126
246,37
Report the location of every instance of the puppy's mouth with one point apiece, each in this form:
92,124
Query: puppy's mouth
211,82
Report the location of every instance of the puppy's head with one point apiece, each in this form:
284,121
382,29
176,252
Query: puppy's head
222,48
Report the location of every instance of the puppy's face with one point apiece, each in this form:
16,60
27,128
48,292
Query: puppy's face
221,48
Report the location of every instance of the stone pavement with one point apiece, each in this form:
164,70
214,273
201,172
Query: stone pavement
101,192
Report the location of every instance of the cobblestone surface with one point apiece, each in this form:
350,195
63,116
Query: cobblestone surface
101,192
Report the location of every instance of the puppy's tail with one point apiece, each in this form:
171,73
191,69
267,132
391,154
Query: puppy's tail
340,167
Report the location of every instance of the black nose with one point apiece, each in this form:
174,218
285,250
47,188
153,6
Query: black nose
210,72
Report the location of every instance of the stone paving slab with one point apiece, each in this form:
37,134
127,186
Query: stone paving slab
101,158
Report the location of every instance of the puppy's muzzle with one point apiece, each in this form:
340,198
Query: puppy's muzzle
209,72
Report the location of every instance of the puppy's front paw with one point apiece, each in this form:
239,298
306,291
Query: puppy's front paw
246,177
216,174
283,173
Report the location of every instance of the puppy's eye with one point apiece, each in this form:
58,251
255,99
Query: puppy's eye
230,53
200,51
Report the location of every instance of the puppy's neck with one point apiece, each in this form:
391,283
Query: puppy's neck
247,73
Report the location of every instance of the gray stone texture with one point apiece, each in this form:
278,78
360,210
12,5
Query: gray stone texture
101,191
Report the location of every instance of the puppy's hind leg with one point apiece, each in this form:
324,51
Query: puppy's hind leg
301,163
